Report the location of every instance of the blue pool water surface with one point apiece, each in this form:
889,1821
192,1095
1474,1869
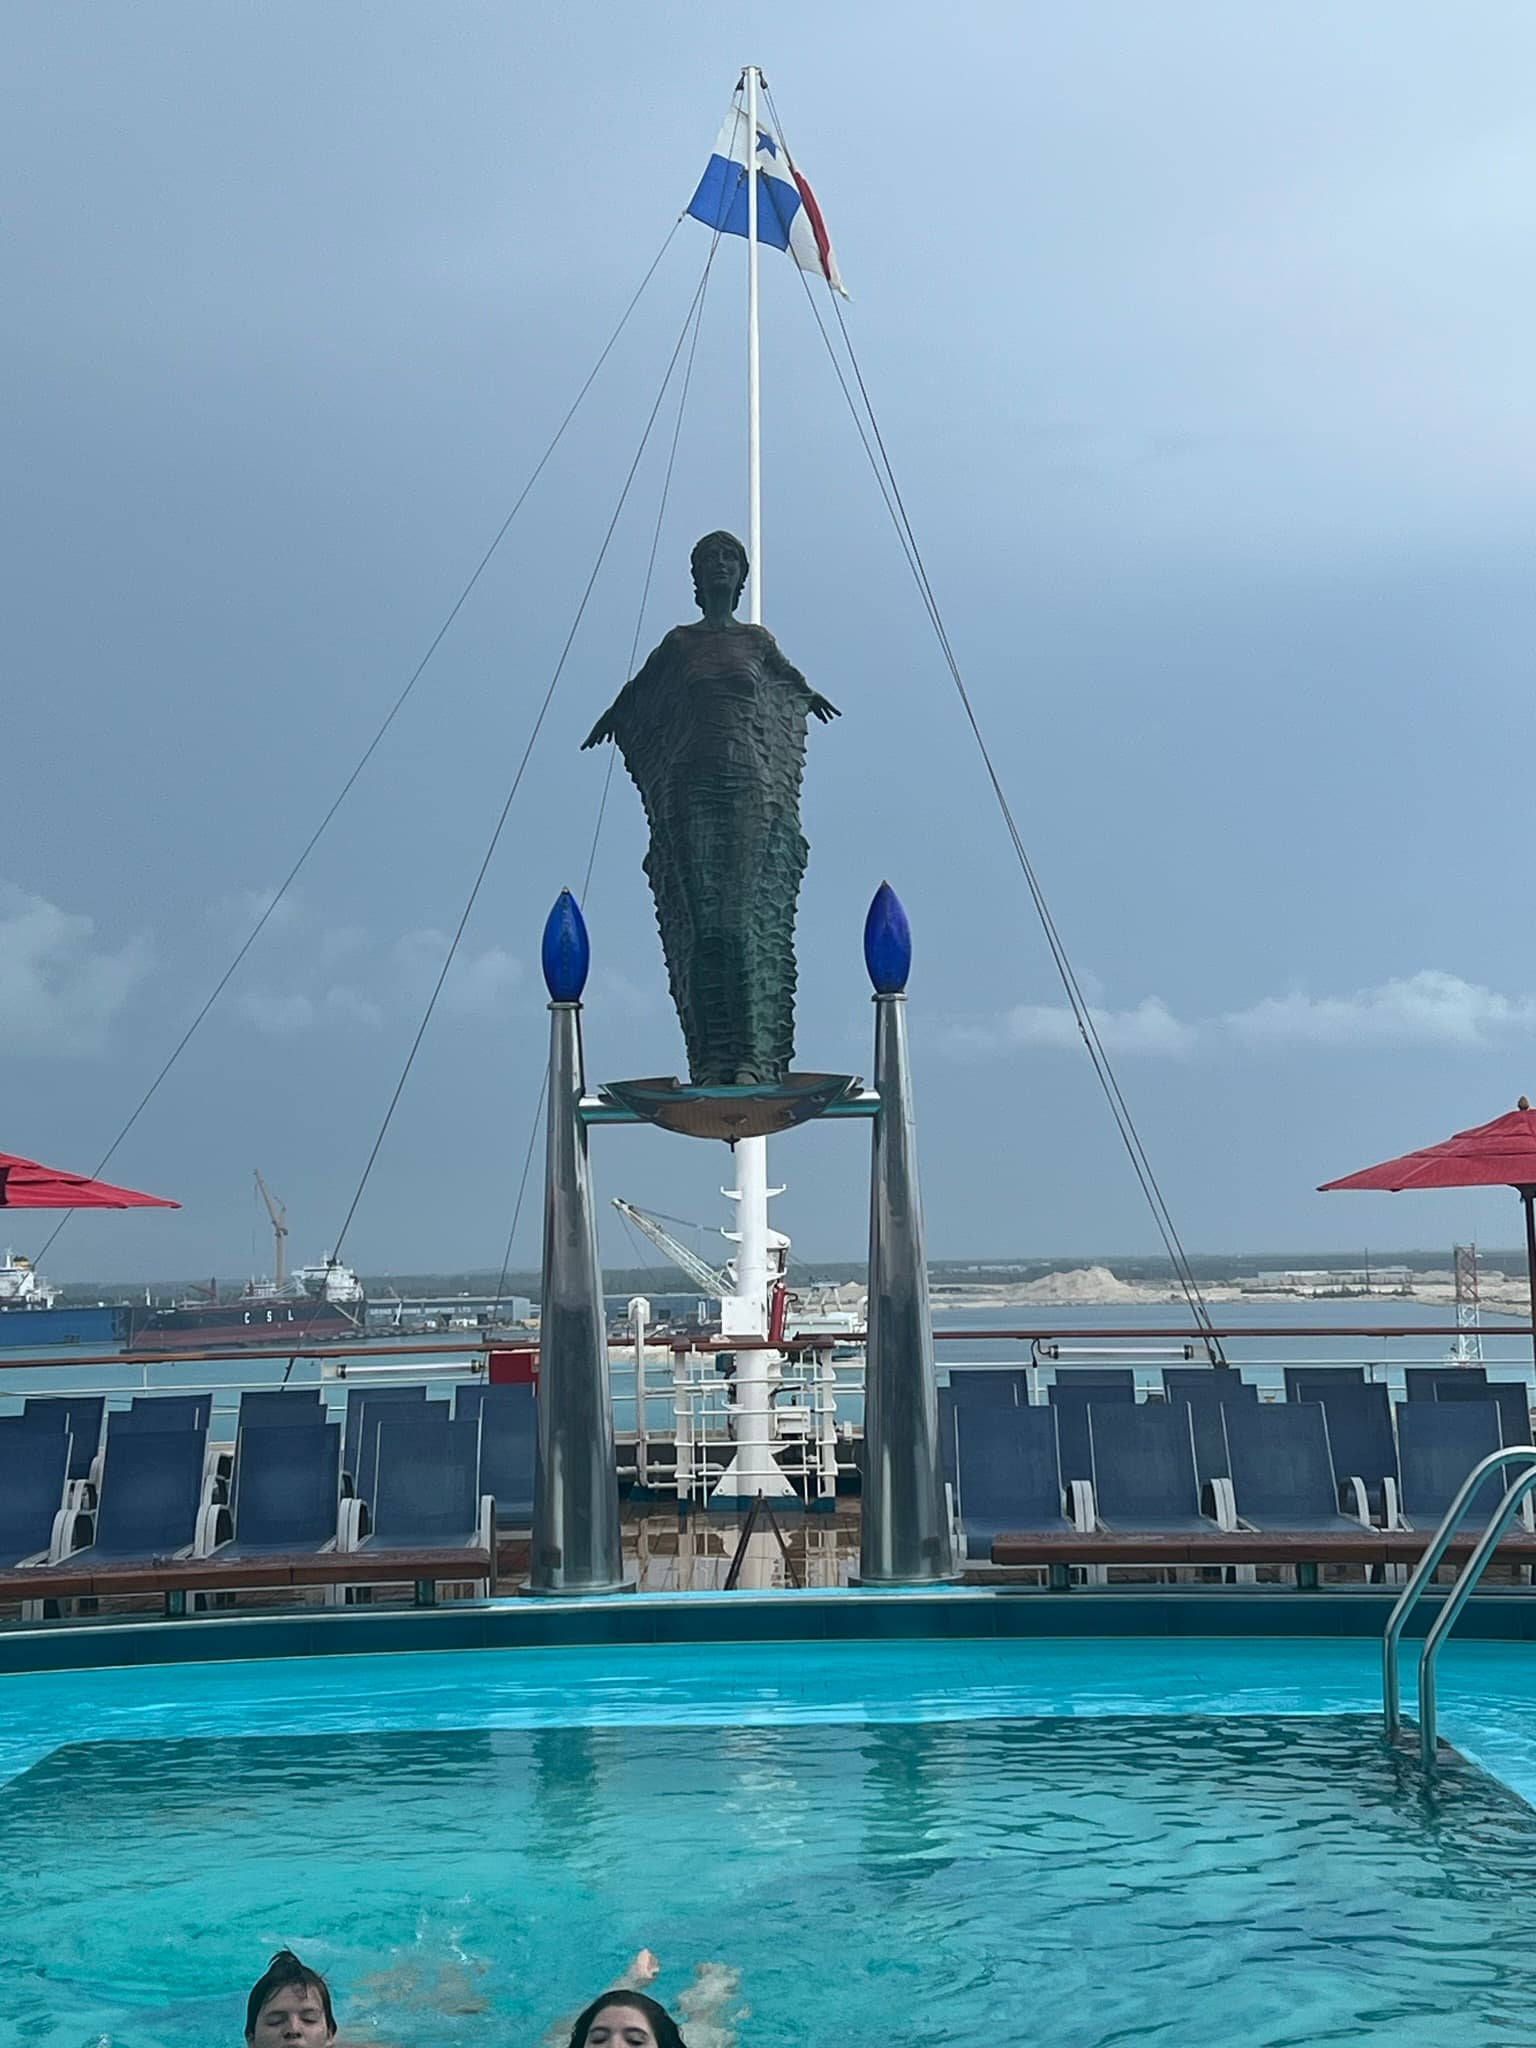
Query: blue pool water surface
1070,1844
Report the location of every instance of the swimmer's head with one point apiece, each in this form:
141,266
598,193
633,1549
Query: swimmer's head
289,2006
625,2019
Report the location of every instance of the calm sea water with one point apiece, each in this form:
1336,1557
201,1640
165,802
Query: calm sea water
1187,1882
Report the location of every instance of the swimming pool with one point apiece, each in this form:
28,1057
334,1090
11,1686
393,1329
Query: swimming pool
1166,1843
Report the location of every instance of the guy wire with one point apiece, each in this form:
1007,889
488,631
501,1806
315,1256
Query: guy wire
538,723
1130,1137
368,752
602,805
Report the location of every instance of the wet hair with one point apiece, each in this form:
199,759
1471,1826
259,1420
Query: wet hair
663,2026
284,1972
710,540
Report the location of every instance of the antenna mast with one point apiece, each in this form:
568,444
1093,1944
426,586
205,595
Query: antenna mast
1468,1348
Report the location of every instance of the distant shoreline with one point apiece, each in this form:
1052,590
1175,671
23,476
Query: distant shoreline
1087,1283
1100,1287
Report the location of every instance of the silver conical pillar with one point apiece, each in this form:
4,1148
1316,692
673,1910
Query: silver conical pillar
576,1540
905,1537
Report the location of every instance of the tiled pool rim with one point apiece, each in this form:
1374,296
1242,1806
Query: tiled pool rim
823,1618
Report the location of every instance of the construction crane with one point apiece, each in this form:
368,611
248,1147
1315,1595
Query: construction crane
714,1280
279,1215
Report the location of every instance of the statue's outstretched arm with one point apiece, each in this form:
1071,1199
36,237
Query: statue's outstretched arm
607,727
604,728
817,705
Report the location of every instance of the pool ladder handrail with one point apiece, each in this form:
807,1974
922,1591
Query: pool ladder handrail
1459,1595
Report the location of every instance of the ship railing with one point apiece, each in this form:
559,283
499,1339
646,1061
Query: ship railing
679,1405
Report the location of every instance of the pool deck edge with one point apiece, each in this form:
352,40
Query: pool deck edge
652,1620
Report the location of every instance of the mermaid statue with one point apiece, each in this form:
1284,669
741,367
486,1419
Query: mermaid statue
712,731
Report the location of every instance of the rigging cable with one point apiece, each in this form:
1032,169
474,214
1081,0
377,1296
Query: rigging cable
1130,1136
602,805
538,723
372,747
517,1206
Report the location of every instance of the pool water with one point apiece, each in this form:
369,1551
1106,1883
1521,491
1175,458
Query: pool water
1088,1881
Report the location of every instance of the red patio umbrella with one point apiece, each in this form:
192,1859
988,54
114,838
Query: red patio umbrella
1500,1154
26,1185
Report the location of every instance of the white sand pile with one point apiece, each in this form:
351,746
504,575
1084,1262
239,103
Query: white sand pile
1089,1284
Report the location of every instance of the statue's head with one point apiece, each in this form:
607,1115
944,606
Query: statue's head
719,562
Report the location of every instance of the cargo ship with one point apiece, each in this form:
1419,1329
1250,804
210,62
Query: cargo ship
30,1319
316,1305
321,1304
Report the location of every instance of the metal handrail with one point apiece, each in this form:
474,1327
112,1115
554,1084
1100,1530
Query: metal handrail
1428,1564
1461,1592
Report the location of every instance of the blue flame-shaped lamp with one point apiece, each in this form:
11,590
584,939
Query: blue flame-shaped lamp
566,953
887,943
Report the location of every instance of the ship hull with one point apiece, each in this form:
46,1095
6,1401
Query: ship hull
240,1323
82,1329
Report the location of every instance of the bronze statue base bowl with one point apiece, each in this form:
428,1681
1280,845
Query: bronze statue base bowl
730,1113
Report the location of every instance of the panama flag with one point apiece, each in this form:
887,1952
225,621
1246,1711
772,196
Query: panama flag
787,214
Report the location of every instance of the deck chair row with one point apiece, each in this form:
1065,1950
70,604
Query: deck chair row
1358,1408
1279,1469
1008,1386
416,1475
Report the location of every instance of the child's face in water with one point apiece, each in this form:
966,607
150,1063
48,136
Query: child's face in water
620,2026
292,2017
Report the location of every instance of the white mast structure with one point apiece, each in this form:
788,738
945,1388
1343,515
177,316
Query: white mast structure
1468,1347
744,1312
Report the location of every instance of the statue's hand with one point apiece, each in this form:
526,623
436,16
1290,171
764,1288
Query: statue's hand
603,730
822,708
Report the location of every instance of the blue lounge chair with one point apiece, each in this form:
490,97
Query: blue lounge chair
1282,1470
1510,1397
379,1397
993,1389
287,1493
365,1411
1070,1399
267,1407
151,1506
1422,1382
426,1491
166,1414
1208,1383
1144,1479
81,1415
36,1520
1364,1445
1009,1475
947,1438
1324,1386
509,1445
1206,1390
34,1428
1438,1443
1006,1389
162,1411
1304,1382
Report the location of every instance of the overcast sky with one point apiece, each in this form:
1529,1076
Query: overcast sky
1202,339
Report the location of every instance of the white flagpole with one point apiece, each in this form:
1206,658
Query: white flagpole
754,383
752,1153
754,1469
